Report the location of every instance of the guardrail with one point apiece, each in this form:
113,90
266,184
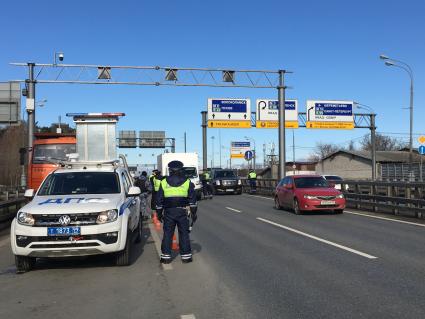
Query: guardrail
398,198
10,201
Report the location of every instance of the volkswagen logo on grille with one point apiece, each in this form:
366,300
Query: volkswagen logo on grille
64,220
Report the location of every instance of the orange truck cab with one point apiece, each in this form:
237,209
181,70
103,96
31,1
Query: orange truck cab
47,148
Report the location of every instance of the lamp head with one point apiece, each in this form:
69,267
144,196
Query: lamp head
384,57
389,63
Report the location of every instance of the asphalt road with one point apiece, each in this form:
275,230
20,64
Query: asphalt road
250,261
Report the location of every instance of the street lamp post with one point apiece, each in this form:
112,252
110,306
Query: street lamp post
402,65
255,150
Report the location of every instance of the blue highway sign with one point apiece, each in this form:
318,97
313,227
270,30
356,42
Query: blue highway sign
249,155
421,150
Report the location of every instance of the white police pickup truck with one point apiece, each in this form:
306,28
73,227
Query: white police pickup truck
78,211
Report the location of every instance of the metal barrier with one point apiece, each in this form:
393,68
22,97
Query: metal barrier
10,202
398,198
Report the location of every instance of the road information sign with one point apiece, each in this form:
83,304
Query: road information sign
421,139
330,114
268,114
229,113
421,149
238,149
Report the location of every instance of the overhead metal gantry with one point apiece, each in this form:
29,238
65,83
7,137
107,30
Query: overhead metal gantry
361,120
41,73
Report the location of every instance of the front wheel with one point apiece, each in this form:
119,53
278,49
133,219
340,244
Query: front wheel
139,230
122,257
276,203
24,263
297,209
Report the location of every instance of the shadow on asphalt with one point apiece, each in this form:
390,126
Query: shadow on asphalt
93,261
311,213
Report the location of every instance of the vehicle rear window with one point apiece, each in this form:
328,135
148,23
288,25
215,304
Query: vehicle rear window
333,178
46,153
310,182
80,183
221,174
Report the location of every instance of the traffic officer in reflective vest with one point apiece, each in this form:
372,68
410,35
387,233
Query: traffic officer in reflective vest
175,198
252,178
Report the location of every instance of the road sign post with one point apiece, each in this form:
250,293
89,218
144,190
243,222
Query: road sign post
281,99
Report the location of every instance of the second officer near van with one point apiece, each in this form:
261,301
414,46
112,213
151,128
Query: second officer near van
175,196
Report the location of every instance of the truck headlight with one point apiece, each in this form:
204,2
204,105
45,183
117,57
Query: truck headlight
107,216
217,182
340,196
239,182
25,219
309,197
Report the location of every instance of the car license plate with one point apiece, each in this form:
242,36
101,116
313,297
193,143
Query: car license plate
63,231
327,202
230,190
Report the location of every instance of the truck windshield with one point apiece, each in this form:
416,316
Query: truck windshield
44,153
80,183
190,172
310,182
221,174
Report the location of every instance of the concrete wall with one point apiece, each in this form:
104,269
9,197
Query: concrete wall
347,166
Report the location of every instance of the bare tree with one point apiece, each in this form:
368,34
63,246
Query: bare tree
12,138
322,150
383,143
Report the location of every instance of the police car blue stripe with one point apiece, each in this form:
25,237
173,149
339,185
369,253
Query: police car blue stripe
125,205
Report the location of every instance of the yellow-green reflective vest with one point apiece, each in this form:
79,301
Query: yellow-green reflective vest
252,175
156,184
207,176
175,191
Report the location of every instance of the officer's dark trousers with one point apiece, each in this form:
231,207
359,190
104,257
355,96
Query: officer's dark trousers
173,217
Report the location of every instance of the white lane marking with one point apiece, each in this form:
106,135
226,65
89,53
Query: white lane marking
4,242
365,215
158,246
260,197
385,218
318,239
191,316
232,209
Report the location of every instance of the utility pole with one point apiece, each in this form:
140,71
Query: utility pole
212,155
373,144
281,98
204,141
185,150
219,140
293,152
30,106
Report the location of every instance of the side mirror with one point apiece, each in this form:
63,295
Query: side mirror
289,186
29,193
134,191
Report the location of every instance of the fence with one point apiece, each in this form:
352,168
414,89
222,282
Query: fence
400,171
398,198
10,201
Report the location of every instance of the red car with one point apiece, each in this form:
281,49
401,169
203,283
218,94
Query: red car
308,193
